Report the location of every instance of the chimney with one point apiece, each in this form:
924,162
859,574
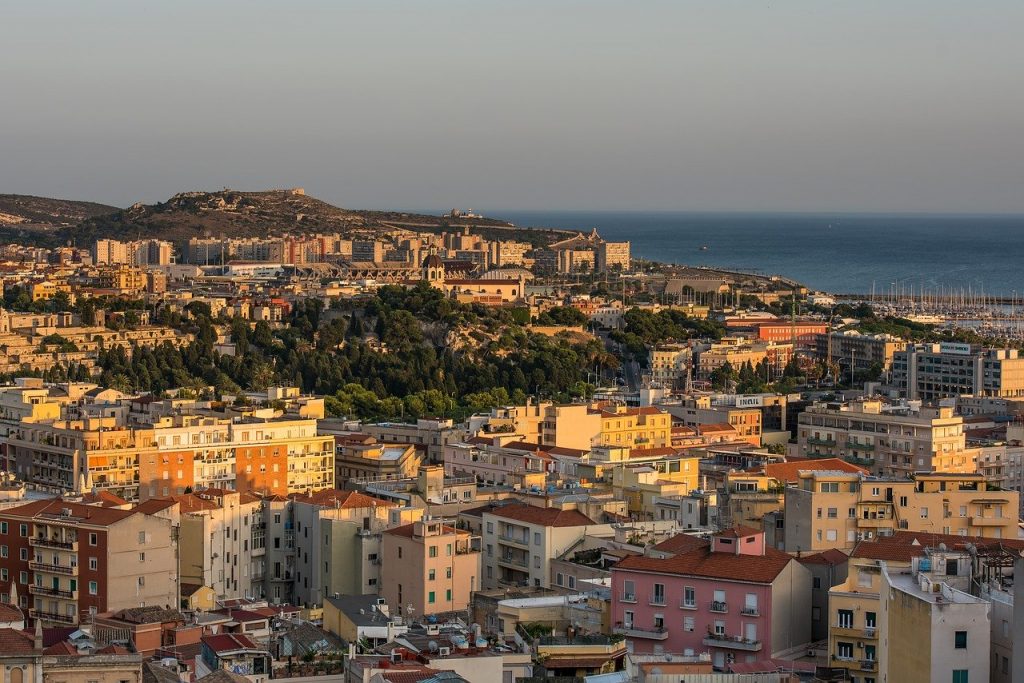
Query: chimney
37,640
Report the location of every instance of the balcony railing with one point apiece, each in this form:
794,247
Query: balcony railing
627,597
732,642
51,616
53,568
720,607
518,540
820,442
687,604
749,611
513,561
634,631
41,542
860,446
52,592
658,599
867,665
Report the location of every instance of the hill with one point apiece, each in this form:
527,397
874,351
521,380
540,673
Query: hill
26,210
227,212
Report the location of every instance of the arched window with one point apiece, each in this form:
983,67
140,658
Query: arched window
17,675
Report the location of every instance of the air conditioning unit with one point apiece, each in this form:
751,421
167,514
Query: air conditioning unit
444,651
860,645
396,657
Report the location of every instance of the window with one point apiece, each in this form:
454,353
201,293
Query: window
830,487
869,620
447,572
93,564
960,676
628,591
490,527
833,513
3,551
448,595
430,597
400,551
688,623
658,597
960,640
23,577
23,530
924,513
845,618
142,557
689,597
431,575
844,650
951,567
432,552
3,528
816,582
94,588
559,579
572,582
536,538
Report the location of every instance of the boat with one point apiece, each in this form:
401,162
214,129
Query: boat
704,247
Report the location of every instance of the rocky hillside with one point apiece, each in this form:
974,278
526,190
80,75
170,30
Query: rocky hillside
228,212
26,211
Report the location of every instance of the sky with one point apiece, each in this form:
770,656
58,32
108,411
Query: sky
915,105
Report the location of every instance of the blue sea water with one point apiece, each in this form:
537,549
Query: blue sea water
842,253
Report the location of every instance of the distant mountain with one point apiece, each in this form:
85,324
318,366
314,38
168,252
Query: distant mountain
26,210
228,213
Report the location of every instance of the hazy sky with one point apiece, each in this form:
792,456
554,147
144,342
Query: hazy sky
875,106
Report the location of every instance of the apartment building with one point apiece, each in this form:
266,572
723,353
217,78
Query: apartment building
68,561
515,463
831,509
930,372
801,332
890,441
670,364
860,351
362,457
216,540
699,413
930,627
429,436
337,544
738,351
732,597
642,484
648,427
570,426
429,566
519,541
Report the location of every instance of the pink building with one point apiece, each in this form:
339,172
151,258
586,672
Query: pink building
733,597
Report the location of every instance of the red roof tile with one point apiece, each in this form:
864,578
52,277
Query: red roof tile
681,543
903,546
701,562
831,556
789,471
13,642
345,500
553,517
226,642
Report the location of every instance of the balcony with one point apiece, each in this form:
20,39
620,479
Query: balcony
685,604
41,542
51,616
875,522
821,442
749,611
860,446
520,541
719,607
53,568
867,665
732,642
634,631
627,597
870,632
514,562
658,600
988,521
52,592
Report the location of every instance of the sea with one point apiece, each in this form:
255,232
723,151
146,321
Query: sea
839,253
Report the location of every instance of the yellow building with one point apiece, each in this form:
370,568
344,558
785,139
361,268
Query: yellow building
831,509
641,427
46,289
123,279
640,484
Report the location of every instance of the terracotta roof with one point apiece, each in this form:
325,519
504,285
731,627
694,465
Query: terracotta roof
89,515
104,499
903,546
703,563
10,613
62,648
113,649
13,642
190,502
831,556
789,471
681,543
738,531
552,517
154,505
346,500
652,452
226,642
567,452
